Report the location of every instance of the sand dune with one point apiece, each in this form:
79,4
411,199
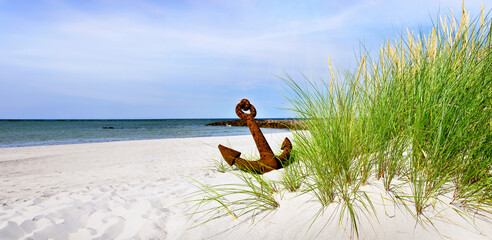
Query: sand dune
137,190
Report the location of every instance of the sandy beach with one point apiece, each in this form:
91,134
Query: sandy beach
137,190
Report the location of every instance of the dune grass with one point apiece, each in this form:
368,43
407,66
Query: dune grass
253,195
420,113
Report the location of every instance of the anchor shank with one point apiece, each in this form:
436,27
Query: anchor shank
261,143
266,152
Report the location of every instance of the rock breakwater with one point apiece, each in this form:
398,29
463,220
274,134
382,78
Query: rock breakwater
290,124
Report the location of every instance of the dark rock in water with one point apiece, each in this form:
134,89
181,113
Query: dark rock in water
290,124
108,127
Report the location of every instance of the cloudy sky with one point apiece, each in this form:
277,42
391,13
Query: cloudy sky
183,59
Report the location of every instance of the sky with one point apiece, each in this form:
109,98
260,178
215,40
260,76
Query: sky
150,59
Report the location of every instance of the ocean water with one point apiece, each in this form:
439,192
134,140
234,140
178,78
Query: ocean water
19,133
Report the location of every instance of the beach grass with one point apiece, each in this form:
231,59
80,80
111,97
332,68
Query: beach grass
252,196
293,175
219,165
418,114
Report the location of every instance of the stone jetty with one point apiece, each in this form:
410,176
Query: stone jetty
290,124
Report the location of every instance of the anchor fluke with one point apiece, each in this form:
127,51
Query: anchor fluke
286,147
229,155
268,161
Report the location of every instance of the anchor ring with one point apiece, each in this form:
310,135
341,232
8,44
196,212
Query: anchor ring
245,105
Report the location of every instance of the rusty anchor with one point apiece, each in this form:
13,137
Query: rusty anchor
268,161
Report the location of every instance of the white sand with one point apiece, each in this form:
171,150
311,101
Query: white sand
132,190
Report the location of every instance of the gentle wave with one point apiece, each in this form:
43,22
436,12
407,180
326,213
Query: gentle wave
19,133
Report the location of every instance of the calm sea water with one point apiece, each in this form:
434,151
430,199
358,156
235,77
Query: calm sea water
18,133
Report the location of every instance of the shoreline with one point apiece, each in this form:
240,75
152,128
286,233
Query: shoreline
114,141
139,189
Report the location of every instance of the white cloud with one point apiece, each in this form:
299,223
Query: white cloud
144,52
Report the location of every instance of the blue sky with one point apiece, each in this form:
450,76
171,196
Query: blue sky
183,59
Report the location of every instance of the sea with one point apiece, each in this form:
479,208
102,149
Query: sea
21,133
